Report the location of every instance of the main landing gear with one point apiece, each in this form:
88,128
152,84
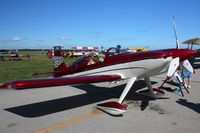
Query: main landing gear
116,108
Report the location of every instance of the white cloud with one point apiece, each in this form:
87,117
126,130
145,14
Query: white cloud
63,38
13,39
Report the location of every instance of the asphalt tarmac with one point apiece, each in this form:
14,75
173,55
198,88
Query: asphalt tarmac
72,109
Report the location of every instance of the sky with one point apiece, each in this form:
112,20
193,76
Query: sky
41,24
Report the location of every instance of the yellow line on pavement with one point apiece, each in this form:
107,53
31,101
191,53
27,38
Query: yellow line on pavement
69,122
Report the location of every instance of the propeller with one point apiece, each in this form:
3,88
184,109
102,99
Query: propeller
173,67
172,72
186,64
175,63
174,24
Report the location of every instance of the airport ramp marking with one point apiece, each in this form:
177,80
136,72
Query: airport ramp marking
69,122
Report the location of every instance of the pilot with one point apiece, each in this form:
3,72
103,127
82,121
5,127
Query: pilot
90,61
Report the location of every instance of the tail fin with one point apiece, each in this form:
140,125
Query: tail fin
60,68
174,24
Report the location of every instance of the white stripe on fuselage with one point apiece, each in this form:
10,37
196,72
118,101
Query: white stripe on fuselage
140,68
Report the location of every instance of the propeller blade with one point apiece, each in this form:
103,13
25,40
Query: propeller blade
172,67
175,32
186,64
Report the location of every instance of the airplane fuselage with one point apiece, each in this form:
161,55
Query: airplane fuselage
140,68
127,65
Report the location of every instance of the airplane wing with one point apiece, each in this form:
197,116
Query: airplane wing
34,83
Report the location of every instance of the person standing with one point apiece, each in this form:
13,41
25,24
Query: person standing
187,77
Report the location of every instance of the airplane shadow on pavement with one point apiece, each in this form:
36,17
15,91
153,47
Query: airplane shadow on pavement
193,106
94,94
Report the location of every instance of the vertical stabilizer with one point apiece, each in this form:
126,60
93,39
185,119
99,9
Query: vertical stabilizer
60,68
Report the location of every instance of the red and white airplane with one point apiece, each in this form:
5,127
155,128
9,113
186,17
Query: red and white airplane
114,66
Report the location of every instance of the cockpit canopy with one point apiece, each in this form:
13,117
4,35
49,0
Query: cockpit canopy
94,58
89,59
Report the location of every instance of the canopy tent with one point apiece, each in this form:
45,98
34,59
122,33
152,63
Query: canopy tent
193,41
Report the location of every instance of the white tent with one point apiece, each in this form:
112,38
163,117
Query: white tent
193,41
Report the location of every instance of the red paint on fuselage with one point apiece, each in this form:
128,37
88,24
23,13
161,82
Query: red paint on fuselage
183,54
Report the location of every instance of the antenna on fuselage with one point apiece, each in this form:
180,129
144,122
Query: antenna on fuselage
174,24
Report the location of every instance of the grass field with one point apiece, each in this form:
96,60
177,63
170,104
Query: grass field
23,69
